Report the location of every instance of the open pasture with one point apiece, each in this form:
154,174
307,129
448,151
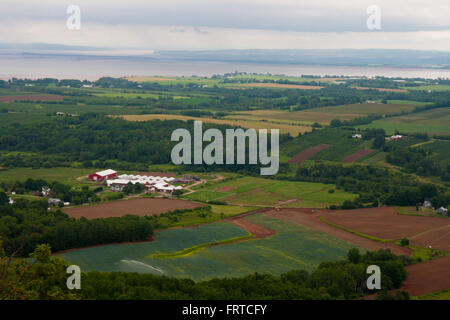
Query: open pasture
438,116
65,175
364,109
253,191
430,121
431,87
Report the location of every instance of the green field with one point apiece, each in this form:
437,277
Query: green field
409,102
438,116
131,95
252,191
440,295
390,127
440,150
292,247
429,121
378,157
200,216
340,142
324,115
432,87
61,174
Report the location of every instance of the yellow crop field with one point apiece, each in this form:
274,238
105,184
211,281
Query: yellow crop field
294,130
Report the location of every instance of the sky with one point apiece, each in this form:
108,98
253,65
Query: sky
145,26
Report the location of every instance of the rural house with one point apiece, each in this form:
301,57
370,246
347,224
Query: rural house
395,137
427,204
103,175
45,191
53,201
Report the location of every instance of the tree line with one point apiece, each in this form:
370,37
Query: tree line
26,224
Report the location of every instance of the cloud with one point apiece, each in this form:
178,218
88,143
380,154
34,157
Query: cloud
229,24
145,38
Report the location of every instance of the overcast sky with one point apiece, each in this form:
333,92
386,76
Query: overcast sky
140,26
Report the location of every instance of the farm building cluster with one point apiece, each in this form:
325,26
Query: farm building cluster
152,183
395,137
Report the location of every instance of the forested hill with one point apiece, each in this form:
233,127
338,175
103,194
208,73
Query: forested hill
89,137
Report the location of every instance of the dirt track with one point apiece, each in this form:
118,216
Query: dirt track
140,207
427,277
308,153
308,219
225,189
256,230
383,222
357,155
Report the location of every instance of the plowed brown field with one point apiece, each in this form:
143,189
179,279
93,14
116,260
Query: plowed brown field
357,155
383,222
438,238
308,219
427,277
308,153
140,207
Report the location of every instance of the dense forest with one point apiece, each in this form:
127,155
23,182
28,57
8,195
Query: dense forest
375,185
417,160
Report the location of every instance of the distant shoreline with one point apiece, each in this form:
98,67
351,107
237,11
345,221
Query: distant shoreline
93,67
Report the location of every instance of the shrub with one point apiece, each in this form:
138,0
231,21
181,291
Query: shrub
404,242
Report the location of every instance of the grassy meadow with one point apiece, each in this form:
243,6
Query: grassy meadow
253,191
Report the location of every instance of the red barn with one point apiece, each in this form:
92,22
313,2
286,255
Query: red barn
103,175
